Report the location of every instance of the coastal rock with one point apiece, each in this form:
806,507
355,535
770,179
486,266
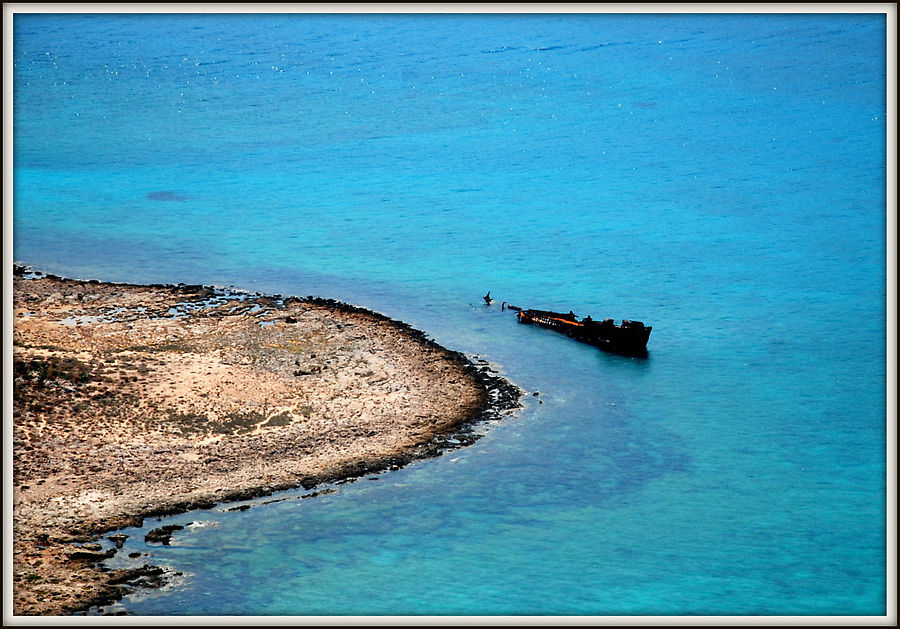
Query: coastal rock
118,539
146,576
162,535
91,556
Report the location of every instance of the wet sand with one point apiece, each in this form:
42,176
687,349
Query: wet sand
134,401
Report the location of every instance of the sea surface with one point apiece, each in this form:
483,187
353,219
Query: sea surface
719,177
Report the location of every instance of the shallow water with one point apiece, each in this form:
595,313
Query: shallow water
721,178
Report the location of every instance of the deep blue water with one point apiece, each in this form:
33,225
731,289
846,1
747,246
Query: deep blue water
720,177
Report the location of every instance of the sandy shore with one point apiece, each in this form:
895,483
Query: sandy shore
135,401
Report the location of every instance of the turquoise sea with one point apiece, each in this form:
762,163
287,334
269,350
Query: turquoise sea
719,177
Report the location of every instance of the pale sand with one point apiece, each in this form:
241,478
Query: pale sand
122,411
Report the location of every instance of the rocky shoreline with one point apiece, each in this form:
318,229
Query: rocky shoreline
136,401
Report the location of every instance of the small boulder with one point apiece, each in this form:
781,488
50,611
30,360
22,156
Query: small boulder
162,535
118,539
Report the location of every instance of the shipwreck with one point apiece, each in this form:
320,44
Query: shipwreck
628,338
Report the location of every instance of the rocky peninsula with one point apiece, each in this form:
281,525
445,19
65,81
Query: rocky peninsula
134,401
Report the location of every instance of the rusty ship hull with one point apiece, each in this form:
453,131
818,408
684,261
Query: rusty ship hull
629,338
